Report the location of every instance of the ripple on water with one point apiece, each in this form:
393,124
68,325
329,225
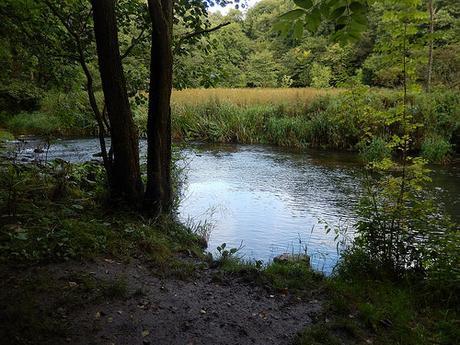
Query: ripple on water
269,198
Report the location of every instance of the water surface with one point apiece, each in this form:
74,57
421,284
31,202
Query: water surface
266,199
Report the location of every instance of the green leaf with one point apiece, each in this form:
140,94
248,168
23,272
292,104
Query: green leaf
307,4
292,15
22,236
313,20
282,27
338,12
298,29
356,6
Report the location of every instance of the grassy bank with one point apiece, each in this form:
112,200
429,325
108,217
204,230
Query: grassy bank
334,120
298,118
55,213
59,211
360,307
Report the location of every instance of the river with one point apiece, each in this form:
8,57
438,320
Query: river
267,200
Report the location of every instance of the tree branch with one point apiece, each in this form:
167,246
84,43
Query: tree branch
198,33
134,42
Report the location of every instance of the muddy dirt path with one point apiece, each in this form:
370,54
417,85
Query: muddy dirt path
144,309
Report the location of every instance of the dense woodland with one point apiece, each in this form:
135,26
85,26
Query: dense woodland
379,78
244,50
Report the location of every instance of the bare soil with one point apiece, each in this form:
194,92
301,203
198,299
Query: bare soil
109,302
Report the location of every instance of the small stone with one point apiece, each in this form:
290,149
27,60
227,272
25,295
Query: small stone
145,333
202,311
286,258
72,284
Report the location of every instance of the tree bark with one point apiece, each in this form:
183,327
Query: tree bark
126,182
430,49
89,86
158,196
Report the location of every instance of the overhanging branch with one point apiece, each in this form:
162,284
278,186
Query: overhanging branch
198,33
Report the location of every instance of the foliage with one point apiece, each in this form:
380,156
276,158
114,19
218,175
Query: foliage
262,70
400,231
357,119
58,211
320,76
375,309
436,149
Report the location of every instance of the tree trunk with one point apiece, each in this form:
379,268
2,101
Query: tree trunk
158,197
430,49
126,180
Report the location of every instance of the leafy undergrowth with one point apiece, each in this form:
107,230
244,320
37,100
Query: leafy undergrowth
280,277
368,309
358,307
53,213
58,211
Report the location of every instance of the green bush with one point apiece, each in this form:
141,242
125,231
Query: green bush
36,123
375,150
320,76
436,149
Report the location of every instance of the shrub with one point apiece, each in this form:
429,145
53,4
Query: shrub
36,123
320,76
436,149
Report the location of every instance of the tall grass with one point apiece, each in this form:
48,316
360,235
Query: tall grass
332,119
250,97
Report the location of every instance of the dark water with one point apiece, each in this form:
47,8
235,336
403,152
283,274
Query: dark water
268,199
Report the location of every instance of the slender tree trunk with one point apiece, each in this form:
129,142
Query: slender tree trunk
430,49
158,197
89,89
126,180
98,117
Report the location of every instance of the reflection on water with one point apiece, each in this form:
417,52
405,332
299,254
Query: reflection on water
269,198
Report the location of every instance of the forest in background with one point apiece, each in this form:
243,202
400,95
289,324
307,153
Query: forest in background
391,93
43,86
249,52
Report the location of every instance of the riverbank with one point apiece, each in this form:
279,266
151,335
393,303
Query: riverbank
296,118
81,271
345,120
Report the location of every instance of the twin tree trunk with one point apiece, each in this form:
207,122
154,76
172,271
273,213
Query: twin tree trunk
158,195
124,175
125,172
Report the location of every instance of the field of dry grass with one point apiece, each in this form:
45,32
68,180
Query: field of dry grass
246,97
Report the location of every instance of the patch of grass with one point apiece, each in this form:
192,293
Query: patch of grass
293,276
36,123
318,334
436,149
57,212
252,96
300,118
114,289
5,135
